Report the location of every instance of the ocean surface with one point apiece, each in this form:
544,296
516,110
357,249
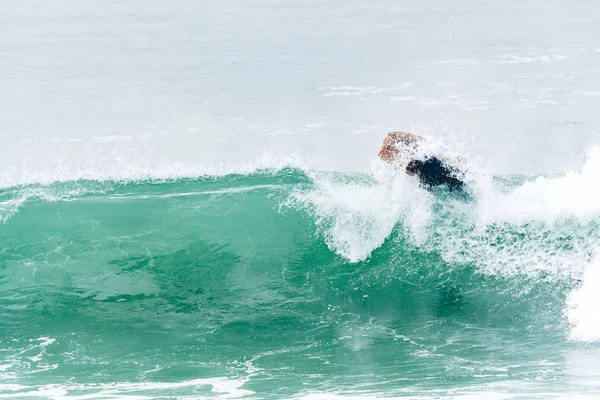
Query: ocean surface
191,204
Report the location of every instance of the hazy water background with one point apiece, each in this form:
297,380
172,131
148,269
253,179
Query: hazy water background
87,86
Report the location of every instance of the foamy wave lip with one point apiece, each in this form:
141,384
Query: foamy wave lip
8,208
537,228
27,187
508,231
548,200
131,171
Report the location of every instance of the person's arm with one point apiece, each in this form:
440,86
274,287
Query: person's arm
389,150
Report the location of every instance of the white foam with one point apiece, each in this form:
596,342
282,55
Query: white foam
356,217
548,200
219,387
538,227
8,208
582,305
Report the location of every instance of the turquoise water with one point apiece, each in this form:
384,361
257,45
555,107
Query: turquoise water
284,284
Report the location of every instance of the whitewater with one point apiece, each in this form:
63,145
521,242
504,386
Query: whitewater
191,203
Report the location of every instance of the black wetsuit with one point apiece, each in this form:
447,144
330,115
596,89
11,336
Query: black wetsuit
433,172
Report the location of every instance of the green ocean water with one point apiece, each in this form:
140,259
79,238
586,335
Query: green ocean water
285,284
